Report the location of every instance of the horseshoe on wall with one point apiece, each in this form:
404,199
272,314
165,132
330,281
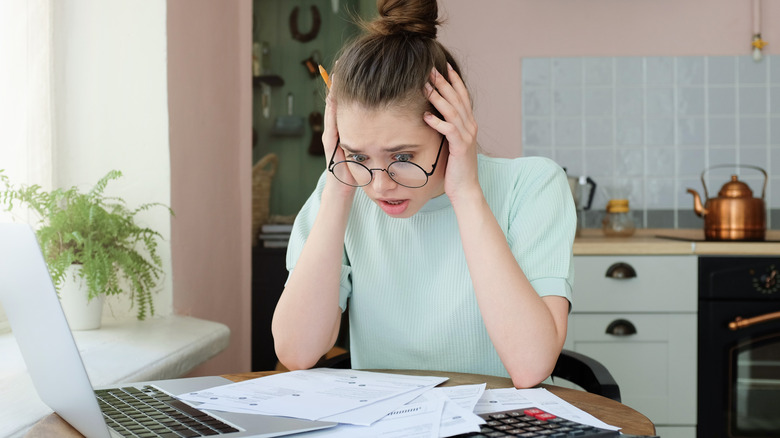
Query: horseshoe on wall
315,28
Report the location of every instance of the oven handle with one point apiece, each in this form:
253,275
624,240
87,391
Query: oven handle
740,323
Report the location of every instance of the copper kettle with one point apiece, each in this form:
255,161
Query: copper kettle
735,214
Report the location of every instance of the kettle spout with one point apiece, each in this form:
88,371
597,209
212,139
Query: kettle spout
698,208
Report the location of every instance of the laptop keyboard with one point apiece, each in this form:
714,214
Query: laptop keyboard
533,423
148,412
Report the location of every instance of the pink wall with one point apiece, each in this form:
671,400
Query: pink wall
209,100
491,38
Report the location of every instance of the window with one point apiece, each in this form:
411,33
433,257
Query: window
25,97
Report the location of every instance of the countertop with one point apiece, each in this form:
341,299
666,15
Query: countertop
676,242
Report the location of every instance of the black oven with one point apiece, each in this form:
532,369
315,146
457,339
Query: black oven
739,347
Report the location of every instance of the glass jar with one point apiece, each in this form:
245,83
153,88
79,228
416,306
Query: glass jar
618,221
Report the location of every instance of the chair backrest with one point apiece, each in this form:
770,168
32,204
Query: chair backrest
586,372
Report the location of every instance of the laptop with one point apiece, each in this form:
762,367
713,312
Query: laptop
60,378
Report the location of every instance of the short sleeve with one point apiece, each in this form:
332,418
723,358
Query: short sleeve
300,232
542,224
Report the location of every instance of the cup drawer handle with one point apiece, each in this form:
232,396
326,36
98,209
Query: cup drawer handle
621,327
621,270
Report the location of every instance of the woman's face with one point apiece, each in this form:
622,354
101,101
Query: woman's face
376,138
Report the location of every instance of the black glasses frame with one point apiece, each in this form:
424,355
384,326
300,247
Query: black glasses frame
333,164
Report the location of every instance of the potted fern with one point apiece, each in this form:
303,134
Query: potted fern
95,239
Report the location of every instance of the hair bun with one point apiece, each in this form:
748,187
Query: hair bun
419,17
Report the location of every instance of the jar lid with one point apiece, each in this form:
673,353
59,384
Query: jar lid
617,206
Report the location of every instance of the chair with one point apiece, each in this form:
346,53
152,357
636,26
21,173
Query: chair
577,368
586,372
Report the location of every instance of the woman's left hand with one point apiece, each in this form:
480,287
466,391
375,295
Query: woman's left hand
450,97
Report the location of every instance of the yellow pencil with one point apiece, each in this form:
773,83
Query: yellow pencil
325,77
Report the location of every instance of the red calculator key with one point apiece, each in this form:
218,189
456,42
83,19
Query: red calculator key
545,416
533,412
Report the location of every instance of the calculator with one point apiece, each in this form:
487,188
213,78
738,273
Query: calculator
533,423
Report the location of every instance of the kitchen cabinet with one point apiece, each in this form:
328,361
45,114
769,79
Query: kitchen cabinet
268,276
637,316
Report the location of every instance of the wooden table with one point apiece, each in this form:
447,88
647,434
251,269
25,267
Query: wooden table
606,410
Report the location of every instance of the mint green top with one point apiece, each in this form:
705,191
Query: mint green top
410,296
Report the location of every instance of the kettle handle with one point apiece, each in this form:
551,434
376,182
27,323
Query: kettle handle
720,166
592,192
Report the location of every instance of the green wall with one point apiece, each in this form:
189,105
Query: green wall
298,170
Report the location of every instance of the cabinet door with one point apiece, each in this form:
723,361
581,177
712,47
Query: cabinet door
644,284
655,368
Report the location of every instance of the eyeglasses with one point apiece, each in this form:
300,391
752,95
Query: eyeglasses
405,173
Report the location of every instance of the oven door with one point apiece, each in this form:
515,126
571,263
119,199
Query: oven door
739,379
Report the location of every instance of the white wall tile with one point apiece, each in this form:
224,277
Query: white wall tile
722,155
629,102
774,159
629,71
629,132
753,100
691,161
599,162
571,159
599,132
690,70
566,72
774,99
567,102
753,131
661,161
536,102
773,63
537,132
598,102
774,133
629,162
721,70
773,200
660,193
654,124
751,72
659,132
722,101
598,71
659,71
536,72
659,102
692,131
690,101
754,156
722,131
567,132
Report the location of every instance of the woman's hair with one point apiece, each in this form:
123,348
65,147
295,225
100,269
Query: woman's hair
390,62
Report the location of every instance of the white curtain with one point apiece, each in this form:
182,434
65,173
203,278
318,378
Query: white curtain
26,98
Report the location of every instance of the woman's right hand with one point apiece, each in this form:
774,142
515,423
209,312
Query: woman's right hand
330,142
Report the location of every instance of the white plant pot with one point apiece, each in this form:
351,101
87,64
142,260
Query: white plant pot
82,314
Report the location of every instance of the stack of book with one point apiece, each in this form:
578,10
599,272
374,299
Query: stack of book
275,235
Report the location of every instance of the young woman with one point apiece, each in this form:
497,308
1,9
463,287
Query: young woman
448,259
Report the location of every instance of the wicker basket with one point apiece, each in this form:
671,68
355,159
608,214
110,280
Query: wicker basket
262,174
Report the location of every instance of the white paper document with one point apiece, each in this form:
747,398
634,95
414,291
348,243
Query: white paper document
310,394
504,399
412,420
431,415
371,404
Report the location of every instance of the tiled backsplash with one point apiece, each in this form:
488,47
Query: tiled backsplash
644,128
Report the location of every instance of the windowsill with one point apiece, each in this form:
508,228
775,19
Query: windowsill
128,351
